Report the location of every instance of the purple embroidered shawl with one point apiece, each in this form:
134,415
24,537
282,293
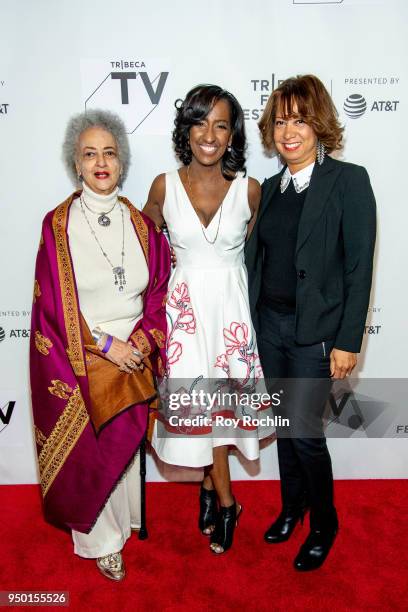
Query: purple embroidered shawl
78,469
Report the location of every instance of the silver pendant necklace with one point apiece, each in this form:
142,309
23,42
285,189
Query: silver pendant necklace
103,218
196,211
118,271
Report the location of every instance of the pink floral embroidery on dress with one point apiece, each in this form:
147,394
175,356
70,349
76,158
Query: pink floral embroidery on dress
184,321
222,362
174,351
180,298
238,346
236,337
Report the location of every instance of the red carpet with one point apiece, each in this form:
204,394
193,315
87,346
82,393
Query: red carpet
174,570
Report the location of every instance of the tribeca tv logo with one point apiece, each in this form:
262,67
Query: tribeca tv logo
262,89
350,411
6,412
355,106
131,88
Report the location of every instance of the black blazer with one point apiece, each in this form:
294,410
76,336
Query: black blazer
334,255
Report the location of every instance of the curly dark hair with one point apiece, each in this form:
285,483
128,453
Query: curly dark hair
194,108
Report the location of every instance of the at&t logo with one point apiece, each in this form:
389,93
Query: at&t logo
372,329
356,105
14,333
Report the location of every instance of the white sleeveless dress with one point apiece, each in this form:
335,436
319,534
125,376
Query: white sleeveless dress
210,334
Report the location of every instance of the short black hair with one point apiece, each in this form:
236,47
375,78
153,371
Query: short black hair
194,108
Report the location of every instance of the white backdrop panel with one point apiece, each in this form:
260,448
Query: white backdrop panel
57,57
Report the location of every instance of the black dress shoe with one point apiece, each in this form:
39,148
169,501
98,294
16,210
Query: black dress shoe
227,520
315,549
208,511
282,528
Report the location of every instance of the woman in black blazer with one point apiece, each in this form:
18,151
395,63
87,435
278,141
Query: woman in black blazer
309,261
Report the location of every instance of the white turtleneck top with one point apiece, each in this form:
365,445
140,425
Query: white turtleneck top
100,300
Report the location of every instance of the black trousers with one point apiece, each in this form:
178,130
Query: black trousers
303,373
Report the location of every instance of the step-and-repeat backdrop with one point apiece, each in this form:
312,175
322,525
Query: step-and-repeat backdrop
137,58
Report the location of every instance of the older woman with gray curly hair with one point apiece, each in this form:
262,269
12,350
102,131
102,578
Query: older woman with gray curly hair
98,331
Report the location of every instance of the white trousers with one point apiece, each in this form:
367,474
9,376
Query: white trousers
120,514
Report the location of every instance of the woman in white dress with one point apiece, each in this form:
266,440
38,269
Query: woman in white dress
209,207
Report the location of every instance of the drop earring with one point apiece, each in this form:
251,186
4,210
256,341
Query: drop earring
321,152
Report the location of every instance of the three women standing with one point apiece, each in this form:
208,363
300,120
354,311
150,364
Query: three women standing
101,280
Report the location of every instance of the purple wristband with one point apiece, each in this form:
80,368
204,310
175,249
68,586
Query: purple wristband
108,344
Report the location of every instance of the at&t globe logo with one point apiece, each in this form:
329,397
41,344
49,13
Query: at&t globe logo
355,106
2,334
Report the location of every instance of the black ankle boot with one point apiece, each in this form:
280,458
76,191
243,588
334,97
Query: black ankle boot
316,547
282,528
208,511
227,519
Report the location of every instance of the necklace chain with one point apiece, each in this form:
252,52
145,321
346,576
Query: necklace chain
196,211
118,271
103,218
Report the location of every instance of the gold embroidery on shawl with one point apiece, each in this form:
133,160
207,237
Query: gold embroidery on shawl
41,241
39,436
158,336
69,301
62,439
42,343
160,367
141,341
37,290
141,227
60,389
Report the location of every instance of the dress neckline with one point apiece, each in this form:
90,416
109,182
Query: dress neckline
193,208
